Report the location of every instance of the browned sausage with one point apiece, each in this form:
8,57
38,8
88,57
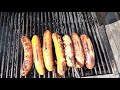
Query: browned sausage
47,51
69,53
38,55
27,63
61,62
78,50
89,51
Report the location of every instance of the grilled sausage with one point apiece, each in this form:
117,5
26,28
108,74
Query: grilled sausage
47,51
89,51
27,63
69,54
61,62
78,50
38,55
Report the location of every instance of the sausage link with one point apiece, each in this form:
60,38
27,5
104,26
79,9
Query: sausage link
78,50
27,63
47,51
38,55
61,62
88,51
69,53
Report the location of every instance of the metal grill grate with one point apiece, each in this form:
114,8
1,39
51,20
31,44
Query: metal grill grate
14,25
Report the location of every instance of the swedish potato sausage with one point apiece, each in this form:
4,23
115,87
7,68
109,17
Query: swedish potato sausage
47,51
61,62
38,55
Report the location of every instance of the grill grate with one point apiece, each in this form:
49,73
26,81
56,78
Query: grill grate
14,25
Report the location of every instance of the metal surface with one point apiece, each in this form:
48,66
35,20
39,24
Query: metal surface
113,33
14,25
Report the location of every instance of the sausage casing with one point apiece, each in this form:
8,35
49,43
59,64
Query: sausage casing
47,51
88,50
61,62
78,50
27,63
38,55
69,53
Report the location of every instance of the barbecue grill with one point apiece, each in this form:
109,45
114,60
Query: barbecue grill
13,25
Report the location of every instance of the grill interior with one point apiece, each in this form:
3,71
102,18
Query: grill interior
15,24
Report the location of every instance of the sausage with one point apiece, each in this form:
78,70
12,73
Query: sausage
27,63
38,55
78,50
60,55
69,53
47,51
88,51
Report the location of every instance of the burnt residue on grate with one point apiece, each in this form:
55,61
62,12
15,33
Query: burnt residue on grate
14,25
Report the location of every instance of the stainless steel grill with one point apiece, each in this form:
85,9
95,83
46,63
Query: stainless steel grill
13,25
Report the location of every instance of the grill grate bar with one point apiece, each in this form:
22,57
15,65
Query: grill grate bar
18,44
2,19
17,47
2,25
7,43
1,40
9,51
13,45
4,49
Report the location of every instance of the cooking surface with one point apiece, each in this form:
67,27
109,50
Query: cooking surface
15,25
